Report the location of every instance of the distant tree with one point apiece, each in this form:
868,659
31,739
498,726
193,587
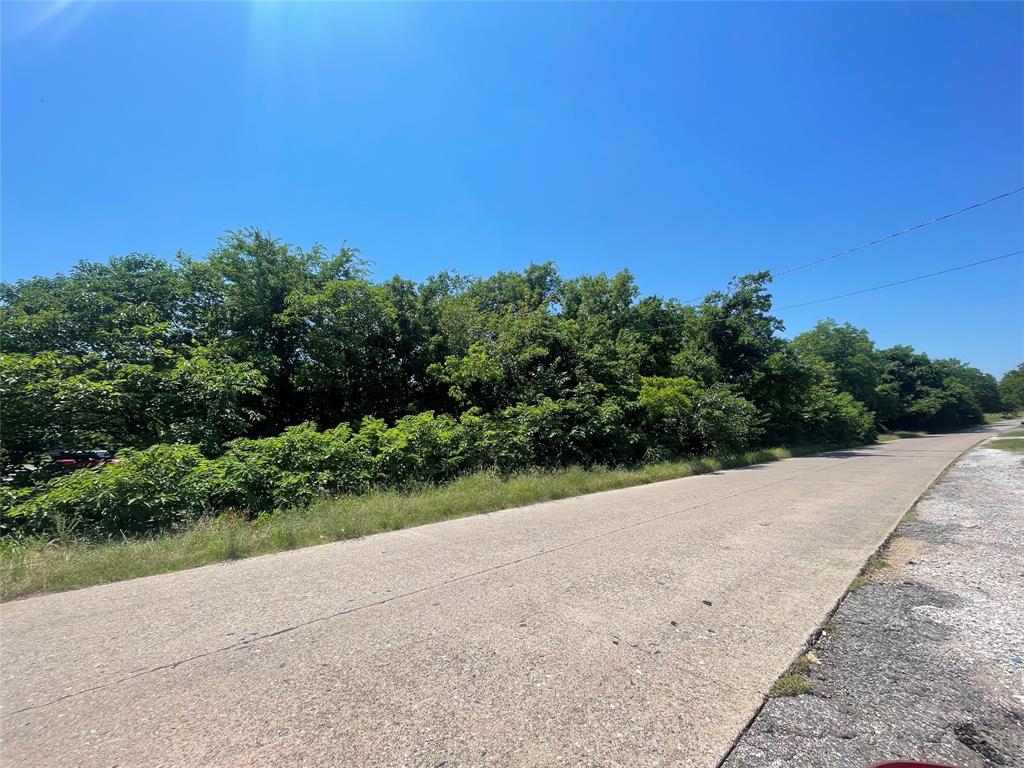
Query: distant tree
732,333
983,386
347,363
852,356
120,310
929,395
240,296
53,401
1011,388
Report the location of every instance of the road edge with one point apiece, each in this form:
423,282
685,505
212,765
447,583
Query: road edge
880,549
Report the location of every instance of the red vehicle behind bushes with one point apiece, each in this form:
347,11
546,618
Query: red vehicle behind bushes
69,461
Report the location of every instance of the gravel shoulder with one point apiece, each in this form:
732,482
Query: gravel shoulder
925,661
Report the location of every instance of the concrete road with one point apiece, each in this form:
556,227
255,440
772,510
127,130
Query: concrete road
635,627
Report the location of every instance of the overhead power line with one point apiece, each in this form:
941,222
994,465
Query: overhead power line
902,282
922,225
862,246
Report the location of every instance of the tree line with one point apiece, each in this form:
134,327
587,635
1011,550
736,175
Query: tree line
264,375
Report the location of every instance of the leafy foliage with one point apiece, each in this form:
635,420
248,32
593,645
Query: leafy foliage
155,489
1011,389
265,376
905,389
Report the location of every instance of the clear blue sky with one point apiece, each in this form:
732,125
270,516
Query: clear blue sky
686,142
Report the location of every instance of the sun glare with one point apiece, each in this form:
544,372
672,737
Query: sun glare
53,20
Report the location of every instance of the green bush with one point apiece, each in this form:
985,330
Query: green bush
287,470
298,376
158,488
420,448
724,421
163,486
799,401
560,433
836,417
1011,389
50,401
684,417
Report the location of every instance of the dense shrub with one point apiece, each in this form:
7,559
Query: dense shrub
265,376
50,400
798,401
724,421
157,488
937,409
166,485
558,433
683,417
287,470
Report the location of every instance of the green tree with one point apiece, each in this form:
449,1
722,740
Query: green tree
240,296
929,395
121,310
273,374
523,357
853,359
732,333
348,365
52,401
1011,388
799,400
983,386
684,417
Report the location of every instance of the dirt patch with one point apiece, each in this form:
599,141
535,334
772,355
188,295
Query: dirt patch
901,551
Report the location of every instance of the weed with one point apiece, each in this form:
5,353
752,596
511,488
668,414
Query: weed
858,583
801,667
874,564
794,681
790,685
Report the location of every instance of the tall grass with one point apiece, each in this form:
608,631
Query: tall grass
31,567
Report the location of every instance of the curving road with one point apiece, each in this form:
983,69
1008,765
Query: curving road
634,627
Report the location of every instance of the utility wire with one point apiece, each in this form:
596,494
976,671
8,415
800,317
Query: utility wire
903,282
937,219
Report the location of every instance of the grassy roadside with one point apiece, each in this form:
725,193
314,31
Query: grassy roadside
887,437
1013,440
992,418
34,567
